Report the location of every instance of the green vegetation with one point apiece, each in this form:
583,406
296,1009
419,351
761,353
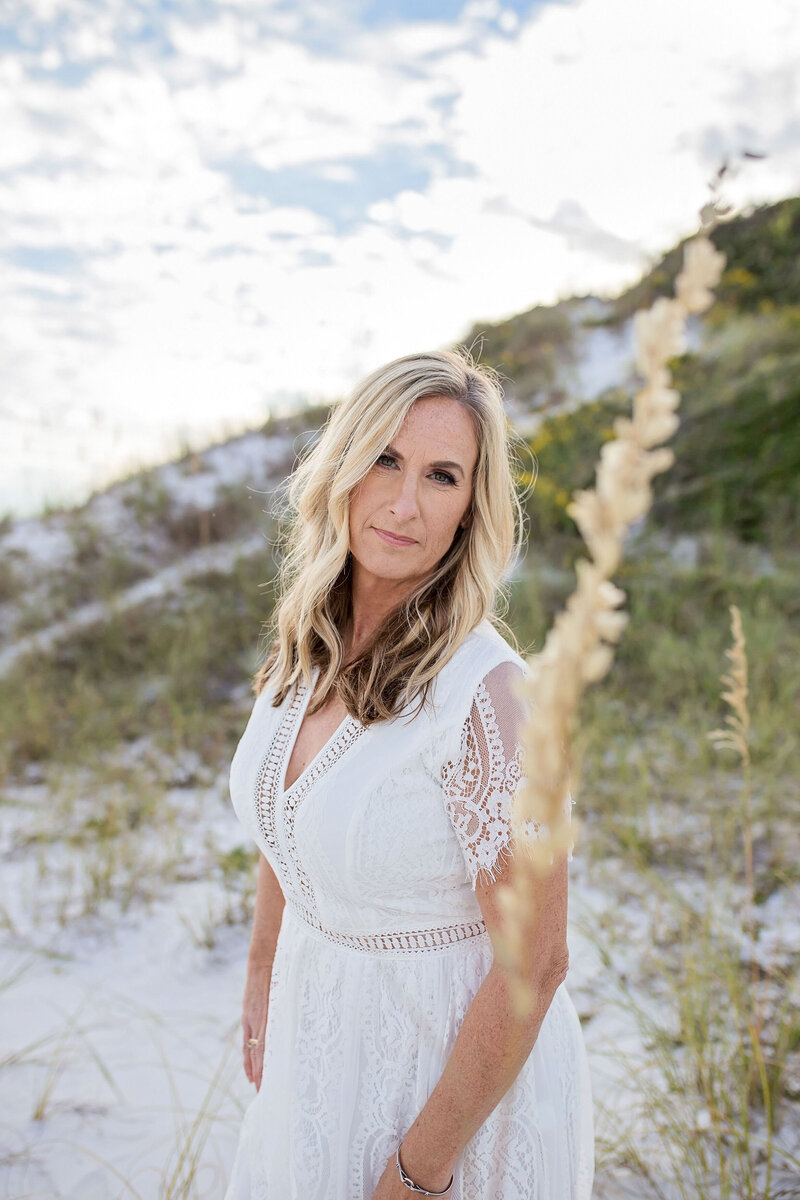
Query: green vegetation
563,453
762,272
528,347
737,450
164,669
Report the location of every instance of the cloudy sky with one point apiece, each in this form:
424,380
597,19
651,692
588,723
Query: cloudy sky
213,209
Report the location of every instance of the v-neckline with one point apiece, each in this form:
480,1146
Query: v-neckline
295,716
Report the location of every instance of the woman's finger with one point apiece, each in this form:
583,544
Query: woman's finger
257,1056
253,1056
247,1056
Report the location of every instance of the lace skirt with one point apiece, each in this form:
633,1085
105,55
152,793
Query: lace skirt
357,1039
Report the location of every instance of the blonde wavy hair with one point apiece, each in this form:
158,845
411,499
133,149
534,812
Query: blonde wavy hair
415,640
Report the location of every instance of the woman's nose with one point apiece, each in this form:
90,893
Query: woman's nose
405,505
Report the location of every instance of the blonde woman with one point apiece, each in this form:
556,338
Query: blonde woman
376,774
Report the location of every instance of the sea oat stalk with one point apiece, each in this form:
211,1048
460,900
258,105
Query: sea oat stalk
578,649
737,737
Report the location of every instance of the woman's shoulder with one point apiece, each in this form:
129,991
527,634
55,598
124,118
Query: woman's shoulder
486,645
481,650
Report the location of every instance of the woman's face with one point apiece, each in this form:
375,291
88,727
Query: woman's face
419,488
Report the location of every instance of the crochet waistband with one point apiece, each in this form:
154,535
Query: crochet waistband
408,941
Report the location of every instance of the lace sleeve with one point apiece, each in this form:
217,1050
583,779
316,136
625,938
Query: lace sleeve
479,786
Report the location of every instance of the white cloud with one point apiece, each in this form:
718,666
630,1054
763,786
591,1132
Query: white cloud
287,107
608,100
508,20
220,43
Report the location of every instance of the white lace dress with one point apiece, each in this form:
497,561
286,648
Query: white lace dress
382,947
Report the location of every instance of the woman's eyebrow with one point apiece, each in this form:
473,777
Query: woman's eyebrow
440,463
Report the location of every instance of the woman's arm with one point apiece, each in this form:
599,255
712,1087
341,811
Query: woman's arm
267,915
491,1046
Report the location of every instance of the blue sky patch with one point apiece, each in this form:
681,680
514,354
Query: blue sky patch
377,14
343,202
49,260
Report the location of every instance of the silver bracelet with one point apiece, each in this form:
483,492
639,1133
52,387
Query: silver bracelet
413,1187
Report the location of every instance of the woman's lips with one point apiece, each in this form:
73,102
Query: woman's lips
393,539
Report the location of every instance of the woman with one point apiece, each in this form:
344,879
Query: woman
376,775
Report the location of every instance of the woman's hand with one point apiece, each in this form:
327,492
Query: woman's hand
255,1007
391,1187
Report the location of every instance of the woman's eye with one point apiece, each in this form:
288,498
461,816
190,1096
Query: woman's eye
445,476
